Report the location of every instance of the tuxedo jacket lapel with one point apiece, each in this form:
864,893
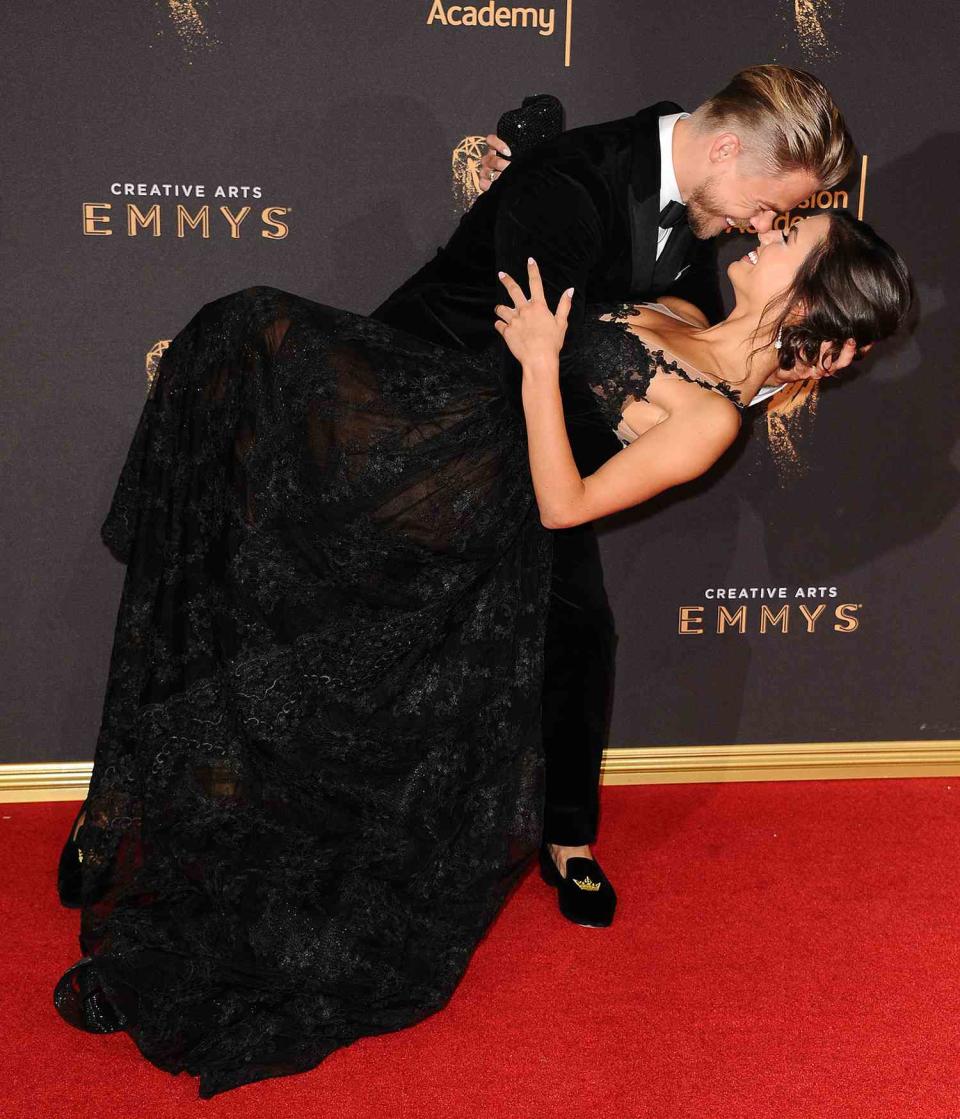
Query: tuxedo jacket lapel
674,253
643,196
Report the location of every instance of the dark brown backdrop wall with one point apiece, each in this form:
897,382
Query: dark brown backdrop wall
338,125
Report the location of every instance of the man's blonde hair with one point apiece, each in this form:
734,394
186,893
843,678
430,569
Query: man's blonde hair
785,118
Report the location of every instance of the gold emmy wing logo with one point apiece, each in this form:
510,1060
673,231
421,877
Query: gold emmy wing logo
153,359
465,171
790,414
811,24
189,26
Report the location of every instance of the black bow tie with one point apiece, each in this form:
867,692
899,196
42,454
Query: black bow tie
672,214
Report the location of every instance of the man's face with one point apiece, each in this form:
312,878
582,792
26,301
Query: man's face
734,193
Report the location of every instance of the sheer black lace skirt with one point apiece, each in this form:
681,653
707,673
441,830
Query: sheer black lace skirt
318,772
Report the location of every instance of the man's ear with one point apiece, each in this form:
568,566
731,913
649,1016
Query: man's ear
724,146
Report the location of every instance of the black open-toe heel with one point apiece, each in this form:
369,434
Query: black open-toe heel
68,869
81,1002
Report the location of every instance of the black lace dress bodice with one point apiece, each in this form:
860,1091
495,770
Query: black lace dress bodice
619,366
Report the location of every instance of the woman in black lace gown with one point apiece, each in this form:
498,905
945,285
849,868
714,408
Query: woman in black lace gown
318,772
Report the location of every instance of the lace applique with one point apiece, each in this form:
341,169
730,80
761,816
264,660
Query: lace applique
626,365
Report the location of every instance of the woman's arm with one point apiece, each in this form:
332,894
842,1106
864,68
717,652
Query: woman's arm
681,448
675,451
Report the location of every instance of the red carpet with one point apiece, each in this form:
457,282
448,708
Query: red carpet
782,950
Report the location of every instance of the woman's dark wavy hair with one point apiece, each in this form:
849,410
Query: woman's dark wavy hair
852,285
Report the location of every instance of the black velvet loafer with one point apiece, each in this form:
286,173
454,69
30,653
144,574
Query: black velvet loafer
81,1002
585,895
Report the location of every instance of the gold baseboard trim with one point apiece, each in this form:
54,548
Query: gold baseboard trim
638,765
793,761
44,781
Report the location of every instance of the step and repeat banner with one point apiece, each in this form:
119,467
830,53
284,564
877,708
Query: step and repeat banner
160,153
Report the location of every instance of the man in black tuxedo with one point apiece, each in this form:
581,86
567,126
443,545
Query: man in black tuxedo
621,210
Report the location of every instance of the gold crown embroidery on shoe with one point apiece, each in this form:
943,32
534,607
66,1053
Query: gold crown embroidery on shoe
586,884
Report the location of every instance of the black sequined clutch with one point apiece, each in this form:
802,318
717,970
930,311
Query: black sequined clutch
539,118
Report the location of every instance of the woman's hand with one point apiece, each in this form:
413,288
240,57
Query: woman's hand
533,333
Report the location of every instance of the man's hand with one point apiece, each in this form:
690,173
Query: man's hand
495,160
828,365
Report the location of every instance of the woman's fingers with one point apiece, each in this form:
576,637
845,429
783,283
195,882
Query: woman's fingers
506,313
563,308
536,284
516,292
537,294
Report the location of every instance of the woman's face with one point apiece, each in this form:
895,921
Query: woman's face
769,269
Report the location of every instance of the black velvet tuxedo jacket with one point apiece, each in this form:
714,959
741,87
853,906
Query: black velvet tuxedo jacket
586,206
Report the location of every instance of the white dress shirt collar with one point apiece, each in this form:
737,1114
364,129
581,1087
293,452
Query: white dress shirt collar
669,191
767,390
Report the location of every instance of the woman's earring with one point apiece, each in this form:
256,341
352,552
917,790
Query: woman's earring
778,341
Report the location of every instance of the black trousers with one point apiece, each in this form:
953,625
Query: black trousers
578,687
